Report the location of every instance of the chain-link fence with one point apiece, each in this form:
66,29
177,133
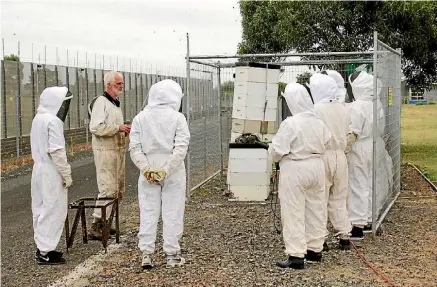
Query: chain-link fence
23,82
386,131
383,62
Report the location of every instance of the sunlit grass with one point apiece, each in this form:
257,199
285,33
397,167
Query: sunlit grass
419,137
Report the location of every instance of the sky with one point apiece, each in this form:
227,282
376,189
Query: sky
144,34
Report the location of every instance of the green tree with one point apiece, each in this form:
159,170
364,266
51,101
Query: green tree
12,57
303,78
311,26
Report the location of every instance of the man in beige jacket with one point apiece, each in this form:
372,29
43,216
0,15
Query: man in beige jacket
109,147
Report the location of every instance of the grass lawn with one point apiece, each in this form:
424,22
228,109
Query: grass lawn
419,137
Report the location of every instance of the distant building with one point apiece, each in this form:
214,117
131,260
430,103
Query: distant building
411,96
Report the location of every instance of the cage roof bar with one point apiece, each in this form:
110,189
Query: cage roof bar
200,57
310,62
203,63
389,48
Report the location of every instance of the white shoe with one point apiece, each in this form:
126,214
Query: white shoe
175,260
147,261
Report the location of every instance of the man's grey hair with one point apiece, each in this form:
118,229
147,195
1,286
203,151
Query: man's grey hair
110,76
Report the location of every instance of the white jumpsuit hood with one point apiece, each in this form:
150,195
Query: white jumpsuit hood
50,170
341,90
159,140
165,93
51,100
323,88
299,146
298,100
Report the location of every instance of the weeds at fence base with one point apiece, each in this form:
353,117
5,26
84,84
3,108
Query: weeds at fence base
11,164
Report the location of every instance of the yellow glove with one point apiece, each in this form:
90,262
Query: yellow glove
159,175
351,138
155,176
147,175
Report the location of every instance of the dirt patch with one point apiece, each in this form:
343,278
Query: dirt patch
235,244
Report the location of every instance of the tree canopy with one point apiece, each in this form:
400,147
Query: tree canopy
345,26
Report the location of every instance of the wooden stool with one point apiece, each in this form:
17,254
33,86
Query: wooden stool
80,214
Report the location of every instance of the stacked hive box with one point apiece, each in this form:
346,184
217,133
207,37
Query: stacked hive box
254,111
255,102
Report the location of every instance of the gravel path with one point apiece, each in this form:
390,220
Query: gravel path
234,244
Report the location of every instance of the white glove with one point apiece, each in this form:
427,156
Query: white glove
68,181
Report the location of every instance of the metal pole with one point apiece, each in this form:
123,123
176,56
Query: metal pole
85,112
18,102
188,119
4,112
32,77
220,119
202,91
375,130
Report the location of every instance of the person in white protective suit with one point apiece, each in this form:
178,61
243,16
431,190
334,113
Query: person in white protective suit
51,174
299,146
360,159
159,142
336,117
109,147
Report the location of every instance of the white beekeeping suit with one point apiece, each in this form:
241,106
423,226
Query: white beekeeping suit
299,146
51,174
360,159
109,148
159,142
336,117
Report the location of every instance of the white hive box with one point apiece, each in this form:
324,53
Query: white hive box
249,172
255,97
257,72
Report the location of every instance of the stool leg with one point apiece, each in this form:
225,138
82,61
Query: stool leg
117,222
104,229
84,228
67,232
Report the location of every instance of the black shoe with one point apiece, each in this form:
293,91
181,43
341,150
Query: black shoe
37,254
325,247
51,258
313,257
292,262
357,233
345,244
367,228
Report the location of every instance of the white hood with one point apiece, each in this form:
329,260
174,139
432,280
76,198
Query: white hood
323,88
341,90
51,100
165,93
362,87
298,100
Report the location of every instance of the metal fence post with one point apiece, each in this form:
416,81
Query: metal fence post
5,118
68,86
203,93
79,96
18,102
32,78
188,118
220,117
375,129
85,112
